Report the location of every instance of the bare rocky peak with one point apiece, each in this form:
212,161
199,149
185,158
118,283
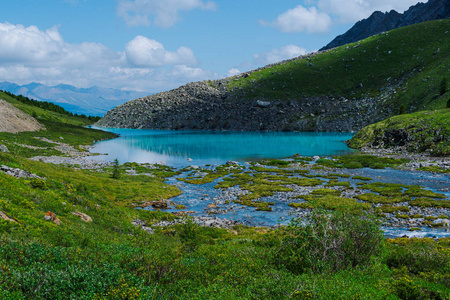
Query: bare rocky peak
379,22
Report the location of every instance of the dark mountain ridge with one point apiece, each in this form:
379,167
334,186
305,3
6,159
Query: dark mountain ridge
380,22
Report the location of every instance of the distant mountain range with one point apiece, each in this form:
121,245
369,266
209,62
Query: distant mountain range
379,22
94,101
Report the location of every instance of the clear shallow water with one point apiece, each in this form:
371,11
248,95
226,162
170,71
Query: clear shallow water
182,148
198,197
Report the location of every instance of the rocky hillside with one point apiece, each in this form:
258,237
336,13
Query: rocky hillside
380,22
343,89
14,120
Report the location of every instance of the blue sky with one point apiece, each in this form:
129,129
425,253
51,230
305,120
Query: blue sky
156,45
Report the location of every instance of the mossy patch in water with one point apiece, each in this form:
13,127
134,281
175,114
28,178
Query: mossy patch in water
339,175
275,162
332,183
358,161
326,192
416,192
427,202
362,178
374,198
434,169
386,189
389,209
331,202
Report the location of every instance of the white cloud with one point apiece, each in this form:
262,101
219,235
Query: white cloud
233,71
144,52
276,55
301,19
164,13
28,54
354,10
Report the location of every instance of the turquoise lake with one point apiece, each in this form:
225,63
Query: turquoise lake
181,148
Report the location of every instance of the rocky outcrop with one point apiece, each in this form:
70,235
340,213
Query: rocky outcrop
210,106
84,217
14,120
52,217
18,173
379,22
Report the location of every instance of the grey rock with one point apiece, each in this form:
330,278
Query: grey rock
3,148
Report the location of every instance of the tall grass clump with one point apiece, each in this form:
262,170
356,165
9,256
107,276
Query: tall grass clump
329,241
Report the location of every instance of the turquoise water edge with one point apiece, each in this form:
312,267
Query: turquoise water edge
182,148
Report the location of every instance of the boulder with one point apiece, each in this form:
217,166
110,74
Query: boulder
155,204
83,216
262,104
52,217
3,148
5,217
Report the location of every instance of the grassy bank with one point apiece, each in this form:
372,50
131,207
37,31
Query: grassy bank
427,131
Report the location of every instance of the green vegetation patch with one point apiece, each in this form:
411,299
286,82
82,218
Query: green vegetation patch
358,161
427,202
389,209
374,198
387,189
418,132
362,178
331,202
416,192
332,183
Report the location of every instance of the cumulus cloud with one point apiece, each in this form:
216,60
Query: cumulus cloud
145,52
28,54
233,71
354,10
163,13
279,54
301,19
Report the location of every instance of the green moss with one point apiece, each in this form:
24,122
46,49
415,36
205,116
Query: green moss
357,161
326,192
417,216
386,189
402,216
332,202
332,183
415,229
362,178
389,209
435,169
427,202
415,192
374,198
275,162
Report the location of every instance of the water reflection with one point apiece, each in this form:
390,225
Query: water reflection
176,147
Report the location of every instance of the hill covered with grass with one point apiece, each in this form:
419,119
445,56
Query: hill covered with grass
343,89
426,131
